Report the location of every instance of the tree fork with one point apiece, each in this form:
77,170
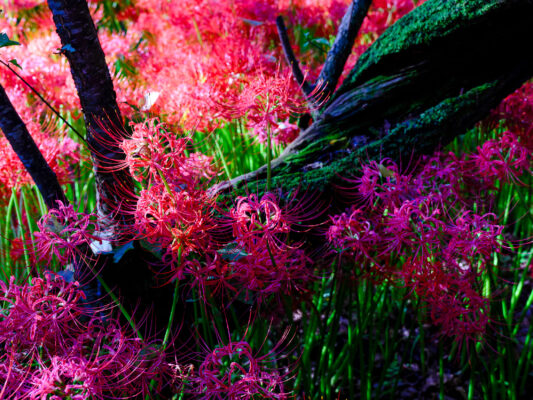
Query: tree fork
428,78
319,92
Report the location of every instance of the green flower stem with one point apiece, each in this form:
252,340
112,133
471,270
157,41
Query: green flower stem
6,260
163,179
173,309
269,161
170,318
120,306
22,231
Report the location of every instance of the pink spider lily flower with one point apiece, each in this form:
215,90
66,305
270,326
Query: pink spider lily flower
62,231
454,302
460,311
153,154
102,361
352,232
233,371
63,377
473,237
40,313
504,159
517,111
176,221
381,182
267,270
252,217
212,272
152,150
413,228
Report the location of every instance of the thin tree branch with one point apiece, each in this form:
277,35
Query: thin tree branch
27,151
291,58
341,49
102,116
42,99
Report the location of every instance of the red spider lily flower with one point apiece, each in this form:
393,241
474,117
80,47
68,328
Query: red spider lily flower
55,348
21,247
252,217
444,250
62,231
212,272
473,237
368,184
272,217
455,304
156,155
351,231
517,112
460,311
64,377
152,150
284,132
176,221
384,13
233,371
101,362
504,159
40,313
414,227
266,101
266,270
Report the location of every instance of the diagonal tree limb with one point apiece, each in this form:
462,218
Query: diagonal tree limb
291,58
341,49
428,78
27,151
102,116
318,93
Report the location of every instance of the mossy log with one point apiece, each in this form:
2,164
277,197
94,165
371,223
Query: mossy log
428,78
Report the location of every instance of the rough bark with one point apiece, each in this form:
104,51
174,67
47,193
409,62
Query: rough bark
27,151
291,59
341,49
131,278
427,79
319,92
102,116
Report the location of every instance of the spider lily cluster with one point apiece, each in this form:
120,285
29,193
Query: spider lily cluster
429,229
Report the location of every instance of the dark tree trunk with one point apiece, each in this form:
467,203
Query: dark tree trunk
428,78
102,116
24,146
131,277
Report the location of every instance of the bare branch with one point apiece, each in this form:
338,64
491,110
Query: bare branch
291,58
27,151
341,49
40,96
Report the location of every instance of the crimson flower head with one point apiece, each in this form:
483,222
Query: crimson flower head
176,221
39,313
154,153
62,231
504,159
51,347
152,149
252,216
352,231
232,371
266,270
